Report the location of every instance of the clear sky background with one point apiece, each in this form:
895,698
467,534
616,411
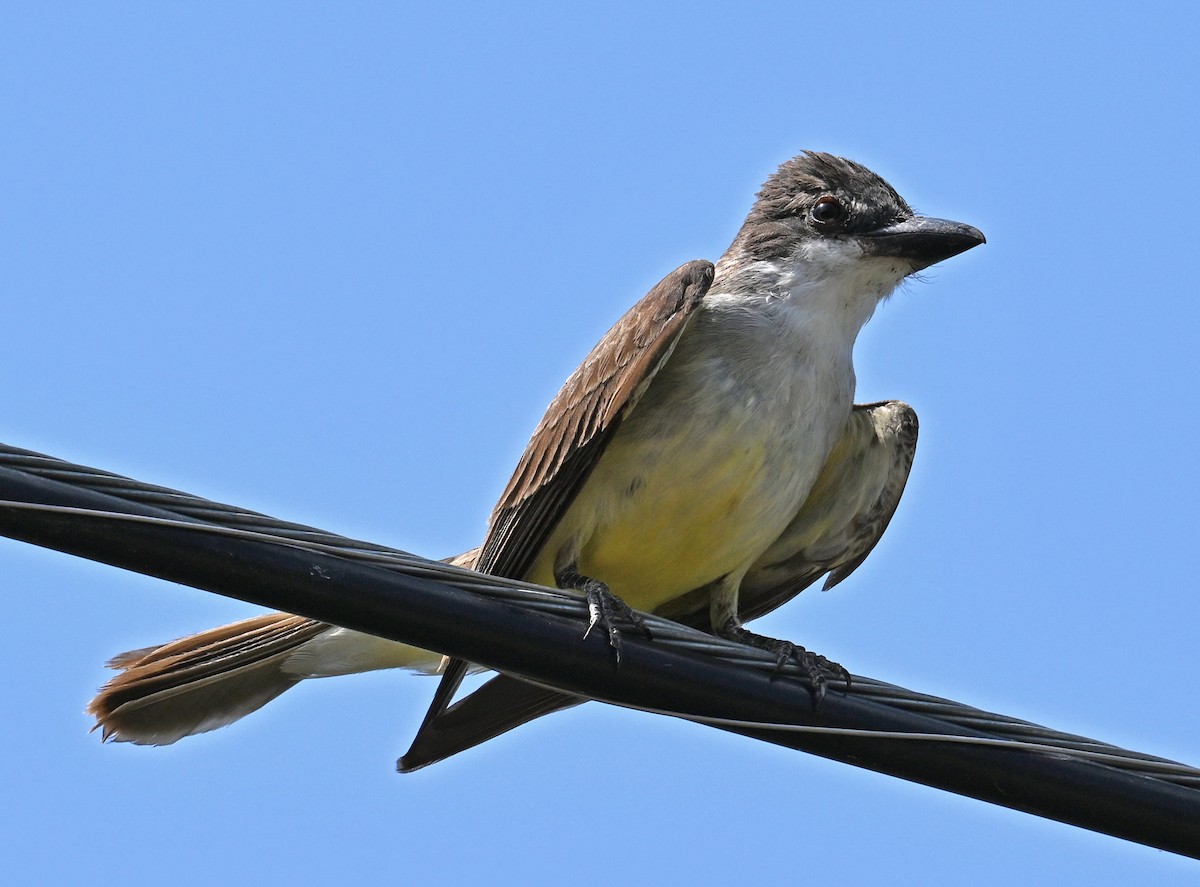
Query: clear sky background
330,262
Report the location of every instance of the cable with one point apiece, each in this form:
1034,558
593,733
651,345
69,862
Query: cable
535,633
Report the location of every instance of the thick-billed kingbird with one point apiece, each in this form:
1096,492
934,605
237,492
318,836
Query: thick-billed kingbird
705,462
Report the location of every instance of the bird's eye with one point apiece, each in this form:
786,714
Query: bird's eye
827,211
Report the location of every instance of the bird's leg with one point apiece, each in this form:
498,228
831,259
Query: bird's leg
725,623
604,607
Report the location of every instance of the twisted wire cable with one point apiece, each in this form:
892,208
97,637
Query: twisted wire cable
176,508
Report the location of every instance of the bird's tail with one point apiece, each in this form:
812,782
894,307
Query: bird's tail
211,679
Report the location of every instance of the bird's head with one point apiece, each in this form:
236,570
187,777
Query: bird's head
821,216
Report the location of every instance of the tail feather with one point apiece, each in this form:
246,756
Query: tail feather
207,680
202,682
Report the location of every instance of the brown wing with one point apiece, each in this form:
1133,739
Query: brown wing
557,460
843,518
500,705
582,418
847,511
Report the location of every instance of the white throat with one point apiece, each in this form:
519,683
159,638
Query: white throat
826,288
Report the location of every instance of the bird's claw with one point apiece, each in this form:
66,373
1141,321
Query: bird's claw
817,669
605,608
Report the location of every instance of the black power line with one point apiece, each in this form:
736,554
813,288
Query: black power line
536,633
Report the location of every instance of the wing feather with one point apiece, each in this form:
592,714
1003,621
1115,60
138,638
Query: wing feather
557,460
583,416
845,515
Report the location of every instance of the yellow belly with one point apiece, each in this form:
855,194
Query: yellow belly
656,521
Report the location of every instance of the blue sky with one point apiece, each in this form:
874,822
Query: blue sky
330,261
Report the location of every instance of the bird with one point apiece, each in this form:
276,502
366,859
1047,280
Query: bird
705,462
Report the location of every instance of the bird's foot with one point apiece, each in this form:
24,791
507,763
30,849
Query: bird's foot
818,670
604,608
